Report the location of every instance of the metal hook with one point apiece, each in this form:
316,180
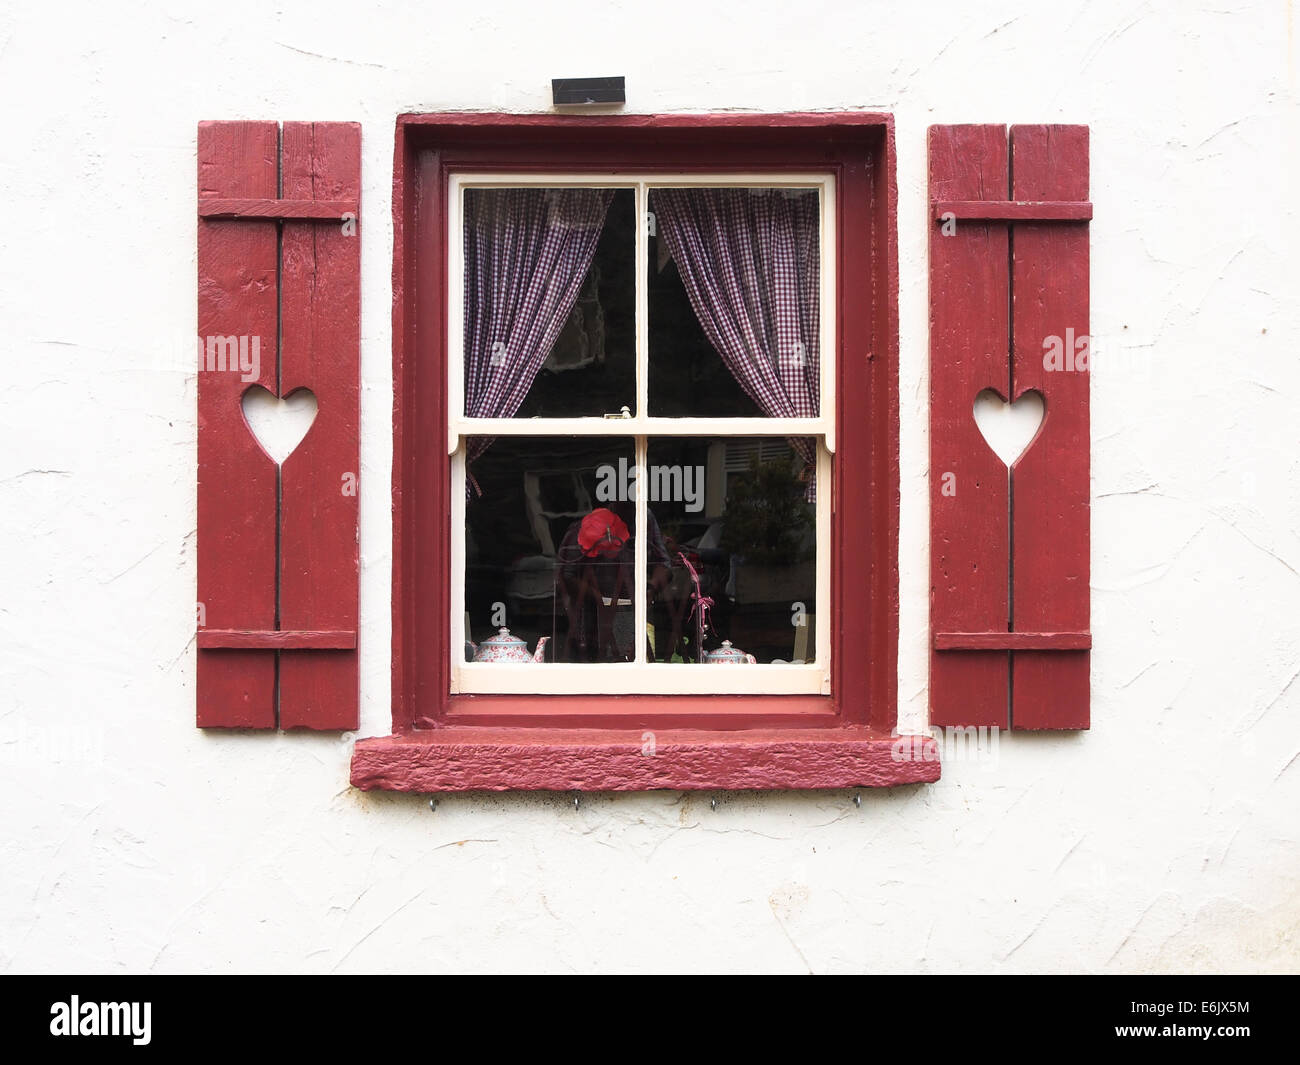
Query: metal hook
857,799
713,804
433,806
577,800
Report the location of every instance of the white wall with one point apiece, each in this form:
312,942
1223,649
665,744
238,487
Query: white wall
1166,838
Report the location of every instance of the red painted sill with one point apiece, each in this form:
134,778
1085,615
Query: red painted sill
541,759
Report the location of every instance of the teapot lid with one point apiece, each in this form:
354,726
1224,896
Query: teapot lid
503,639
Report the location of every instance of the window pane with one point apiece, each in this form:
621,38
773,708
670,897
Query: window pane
550,302
734,298
734,511
550,546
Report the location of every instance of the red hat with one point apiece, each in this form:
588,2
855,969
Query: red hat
602,533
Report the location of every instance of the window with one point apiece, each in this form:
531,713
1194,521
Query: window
626,338
618,712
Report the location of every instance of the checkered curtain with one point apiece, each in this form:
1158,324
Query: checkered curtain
527,252
750,261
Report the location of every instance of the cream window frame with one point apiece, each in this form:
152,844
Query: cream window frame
639,676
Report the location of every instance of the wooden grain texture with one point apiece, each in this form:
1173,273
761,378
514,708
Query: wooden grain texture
880,380
236,479
1050,516
409,310
1013,211
276,639
1007,641
277,209
320,319
864,550
969,332
456,759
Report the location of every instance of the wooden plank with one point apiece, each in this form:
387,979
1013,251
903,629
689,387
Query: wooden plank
1013,210
553,759
412,304
277,639
969,552
864,570
277,210
236,480
1050,480
320,319
1008,641
883,506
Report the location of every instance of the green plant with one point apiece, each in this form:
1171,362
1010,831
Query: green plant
766,517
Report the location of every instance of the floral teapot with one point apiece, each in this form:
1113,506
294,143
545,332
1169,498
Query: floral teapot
506,648
726,655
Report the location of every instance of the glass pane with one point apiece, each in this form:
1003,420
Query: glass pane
742,536
550,547
734,298
550,302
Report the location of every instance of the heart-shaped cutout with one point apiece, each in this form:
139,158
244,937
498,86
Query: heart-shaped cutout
1009,428
279,424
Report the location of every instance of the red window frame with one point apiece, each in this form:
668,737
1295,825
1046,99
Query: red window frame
443,741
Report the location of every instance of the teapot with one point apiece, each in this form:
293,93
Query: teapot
506,648
726,655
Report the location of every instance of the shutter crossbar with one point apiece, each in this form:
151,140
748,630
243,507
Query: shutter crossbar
276,639
1012,641
274,210
1012,210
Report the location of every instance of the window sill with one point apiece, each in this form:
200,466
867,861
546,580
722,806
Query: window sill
541,759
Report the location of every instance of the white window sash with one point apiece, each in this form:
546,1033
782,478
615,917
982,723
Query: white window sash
640,676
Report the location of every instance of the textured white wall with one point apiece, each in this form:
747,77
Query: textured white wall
1167,838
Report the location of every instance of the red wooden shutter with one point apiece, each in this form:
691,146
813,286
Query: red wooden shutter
1009,561
279,307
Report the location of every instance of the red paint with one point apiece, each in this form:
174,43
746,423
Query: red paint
1049,283
1014,210
280,639
457,759
241,672
969,548
282,210
1008,641
677,711
859,150
1029,253
320,303
236,479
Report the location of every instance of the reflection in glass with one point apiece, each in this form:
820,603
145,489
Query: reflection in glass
742,541
551,547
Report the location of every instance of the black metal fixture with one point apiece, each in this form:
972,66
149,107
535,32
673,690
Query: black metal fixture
580,92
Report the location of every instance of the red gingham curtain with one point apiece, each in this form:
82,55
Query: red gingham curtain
527,252
751,264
